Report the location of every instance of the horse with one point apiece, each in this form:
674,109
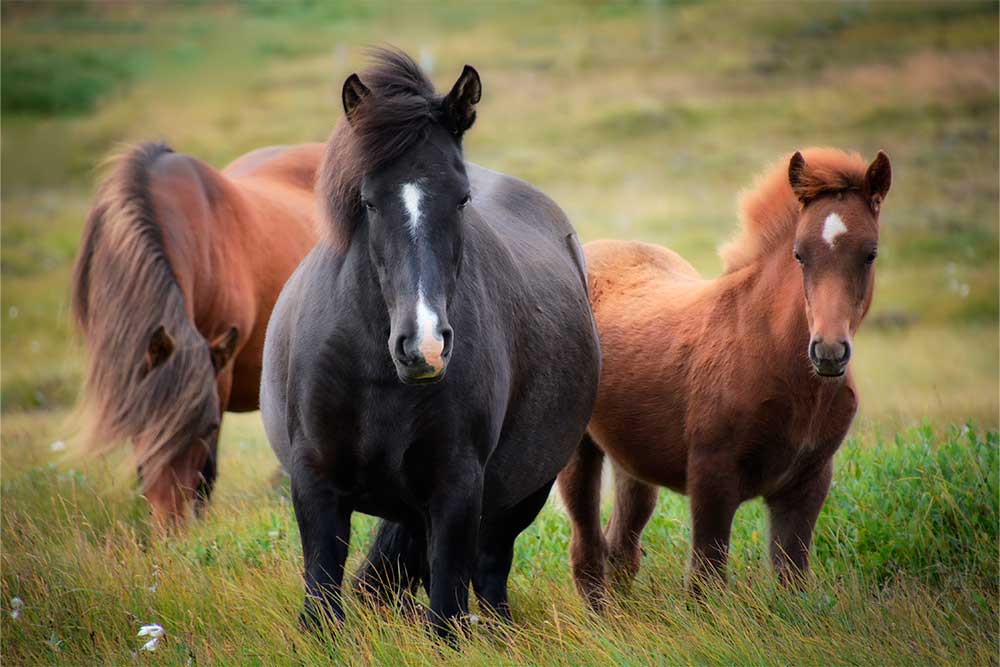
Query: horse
178,269
433,361
732,388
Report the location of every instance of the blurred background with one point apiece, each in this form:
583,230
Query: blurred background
644,120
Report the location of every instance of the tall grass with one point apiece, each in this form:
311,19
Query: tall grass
905,562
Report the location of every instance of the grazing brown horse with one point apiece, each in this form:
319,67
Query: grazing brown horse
732,388
178,270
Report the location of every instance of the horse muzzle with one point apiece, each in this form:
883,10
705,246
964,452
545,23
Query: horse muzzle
829,360
422,360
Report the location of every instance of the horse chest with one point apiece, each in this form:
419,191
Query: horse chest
384,443
796,437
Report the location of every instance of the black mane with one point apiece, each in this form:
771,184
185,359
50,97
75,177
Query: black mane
394,117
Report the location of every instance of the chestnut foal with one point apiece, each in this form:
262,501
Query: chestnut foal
732,388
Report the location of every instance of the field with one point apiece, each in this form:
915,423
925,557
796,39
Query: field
643,121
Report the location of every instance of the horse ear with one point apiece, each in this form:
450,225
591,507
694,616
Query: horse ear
222,348
353,93
878,178
797,176
460,104
159,349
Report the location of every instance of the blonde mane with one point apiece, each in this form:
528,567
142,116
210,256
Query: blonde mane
770,210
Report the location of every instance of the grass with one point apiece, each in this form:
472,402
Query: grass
905,556
644,120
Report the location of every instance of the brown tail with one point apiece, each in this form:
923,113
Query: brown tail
124,290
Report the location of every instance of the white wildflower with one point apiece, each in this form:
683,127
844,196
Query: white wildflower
12,312
273,534
57,446
154,632
16,604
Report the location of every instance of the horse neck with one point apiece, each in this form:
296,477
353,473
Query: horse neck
201,255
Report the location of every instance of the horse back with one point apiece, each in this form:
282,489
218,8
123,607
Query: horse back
292,166
518,214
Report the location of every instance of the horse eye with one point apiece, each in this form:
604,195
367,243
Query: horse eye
465,202
368,205
798,258
870,259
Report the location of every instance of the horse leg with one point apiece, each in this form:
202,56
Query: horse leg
396,563
324,520
580,488
634,504
496,552
713,504
453,533
792,515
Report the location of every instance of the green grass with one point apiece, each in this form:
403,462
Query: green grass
643,120
905,561
43,81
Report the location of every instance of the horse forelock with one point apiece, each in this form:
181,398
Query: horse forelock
396,115
123,288
770,210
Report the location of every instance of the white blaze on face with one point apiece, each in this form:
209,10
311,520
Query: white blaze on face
411,200
428,342
833,227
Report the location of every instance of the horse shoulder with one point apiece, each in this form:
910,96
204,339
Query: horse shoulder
280,387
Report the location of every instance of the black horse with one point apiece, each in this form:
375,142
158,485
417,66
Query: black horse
433,361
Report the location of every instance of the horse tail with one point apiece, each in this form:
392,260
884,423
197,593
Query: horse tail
396,562
138,385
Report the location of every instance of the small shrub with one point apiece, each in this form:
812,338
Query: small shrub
48,82
924,505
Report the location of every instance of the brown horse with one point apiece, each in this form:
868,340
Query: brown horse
732,388
178,270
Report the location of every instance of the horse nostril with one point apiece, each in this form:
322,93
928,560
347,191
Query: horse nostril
402,352
845,357
447,335
813,351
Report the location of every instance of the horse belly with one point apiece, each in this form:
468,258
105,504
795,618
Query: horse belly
640,416
550,400
652,453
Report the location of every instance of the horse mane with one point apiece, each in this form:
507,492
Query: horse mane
396,115
769,212
123,287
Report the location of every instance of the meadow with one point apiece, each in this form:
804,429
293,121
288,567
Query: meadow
643,121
